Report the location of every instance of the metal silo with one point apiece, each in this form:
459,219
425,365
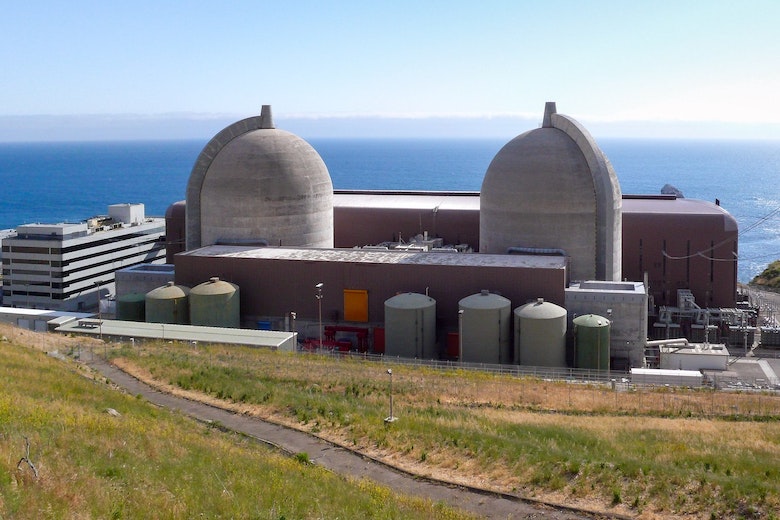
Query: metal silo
168,304
485,328
215,304
591,342
410,326
540,334
131,307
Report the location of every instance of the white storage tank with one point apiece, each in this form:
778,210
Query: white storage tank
215,304
410,326
540,334
485,328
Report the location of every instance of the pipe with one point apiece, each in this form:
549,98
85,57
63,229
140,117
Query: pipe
659,342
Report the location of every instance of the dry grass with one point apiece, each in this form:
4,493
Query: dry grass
654,454
145,462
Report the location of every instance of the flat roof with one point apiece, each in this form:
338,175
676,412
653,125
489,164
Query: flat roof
147,268
665,204
373,256
469,200
425,200
42,313
602,286
169,331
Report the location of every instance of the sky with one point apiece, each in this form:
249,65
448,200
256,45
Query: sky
173,69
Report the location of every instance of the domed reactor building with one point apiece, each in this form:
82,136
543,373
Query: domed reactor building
550,224
552,189
255,184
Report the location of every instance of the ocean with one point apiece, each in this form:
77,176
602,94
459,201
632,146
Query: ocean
66,182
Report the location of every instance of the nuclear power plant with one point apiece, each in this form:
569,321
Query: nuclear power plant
548,265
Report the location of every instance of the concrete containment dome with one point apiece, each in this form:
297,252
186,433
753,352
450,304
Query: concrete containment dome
485,326
410,326
553,188
254,183
215,304
540,334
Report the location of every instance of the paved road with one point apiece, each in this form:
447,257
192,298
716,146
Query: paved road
340,460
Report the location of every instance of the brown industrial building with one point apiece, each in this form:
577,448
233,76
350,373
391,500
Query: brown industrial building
576,227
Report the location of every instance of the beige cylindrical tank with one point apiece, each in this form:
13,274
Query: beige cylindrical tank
215,304
540,334
410,326
131,307
168,304
485,328
591,342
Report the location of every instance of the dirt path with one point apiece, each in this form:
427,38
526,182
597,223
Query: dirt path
340,460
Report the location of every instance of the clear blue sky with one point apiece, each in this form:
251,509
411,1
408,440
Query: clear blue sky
658,68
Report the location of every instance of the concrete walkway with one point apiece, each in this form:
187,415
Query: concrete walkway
340,460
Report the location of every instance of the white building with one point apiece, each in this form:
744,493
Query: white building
62,266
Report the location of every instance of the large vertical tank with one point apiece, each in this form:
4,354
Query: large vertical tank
591,342
540,334
215,304
131,307
410,326
485,328
168,304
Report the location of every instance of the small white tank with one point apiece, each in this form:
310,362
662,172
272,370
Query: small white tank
410,326
485,326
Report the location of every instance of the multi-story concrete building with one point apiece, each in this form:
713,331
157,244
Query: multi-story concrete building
65,266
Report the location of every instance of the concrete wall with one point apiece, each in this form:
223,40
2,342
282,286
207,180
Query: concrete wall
628,315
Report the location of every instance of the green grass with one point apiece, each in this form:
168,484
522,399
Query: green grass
150,463
500,430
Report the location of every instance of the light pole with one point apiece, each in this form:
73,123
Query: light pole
318,295
460,336
391,418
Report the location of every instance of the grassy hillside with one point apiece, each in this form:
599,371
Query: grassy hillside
769,277
144,462
667,453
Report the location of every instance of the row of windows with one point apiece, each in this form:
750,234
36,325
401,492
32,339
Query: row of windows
27,283
123,238
155,251
30,249
56,251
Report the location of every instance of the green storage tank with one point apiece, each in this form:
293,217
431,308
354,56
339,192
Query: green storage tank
131,307
591,342
168,304
215,304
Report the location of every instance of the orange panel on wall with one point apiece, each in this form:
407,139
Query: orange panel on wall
356,305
